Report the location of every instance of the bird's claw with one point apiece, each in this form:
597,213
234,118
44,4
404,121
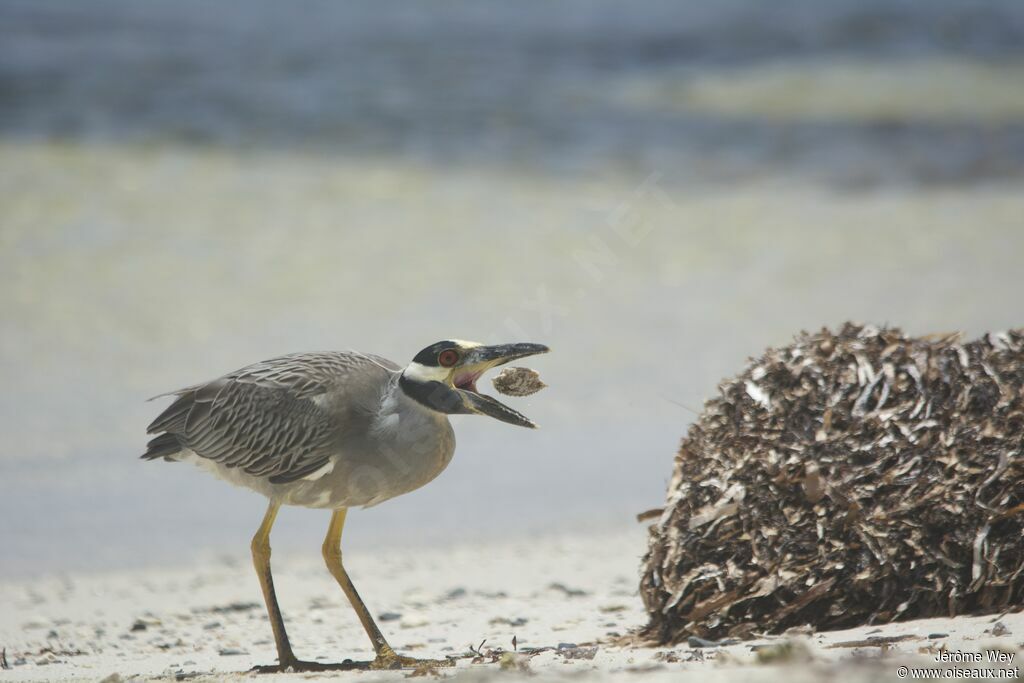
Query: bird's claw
299,666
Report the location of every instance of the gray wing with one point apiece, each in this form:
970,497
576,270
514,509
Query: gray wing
282,419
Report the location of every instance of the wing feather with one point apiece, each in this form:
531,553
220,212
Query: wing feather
283,418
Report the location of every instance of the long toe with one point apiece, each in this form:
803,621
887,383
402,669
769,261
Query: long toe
299,666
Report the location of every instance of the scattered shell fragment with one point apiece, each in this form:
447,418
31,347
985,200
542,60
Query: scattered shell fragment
849,478
518,382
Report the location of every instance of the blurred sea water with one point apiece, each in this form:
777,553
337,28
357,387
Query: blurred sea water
657,190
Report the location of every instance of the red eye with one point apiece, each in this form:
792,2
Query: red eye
448,357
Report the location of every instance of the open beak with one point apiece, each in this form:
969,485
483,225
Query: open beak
478,361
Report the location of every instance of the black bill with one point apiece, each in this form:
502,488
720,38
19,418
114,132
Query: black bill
483,358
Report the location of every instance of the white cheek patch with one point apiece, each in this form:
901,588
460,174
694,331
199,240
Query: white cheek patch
426,373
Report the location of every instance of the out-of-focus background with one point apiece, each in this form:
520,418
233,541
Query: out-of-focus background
656,189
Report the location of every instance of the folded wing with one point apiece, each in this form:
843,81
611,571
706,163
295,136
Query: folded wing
274,419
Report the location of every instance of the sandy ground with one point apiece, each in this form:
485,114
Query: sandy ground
565,600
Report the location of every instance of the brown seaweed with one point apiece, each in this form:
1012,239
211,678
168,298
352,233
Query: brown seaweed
846,479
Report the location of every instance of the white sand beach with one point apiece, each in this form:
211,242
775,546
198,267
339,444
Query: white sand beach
567,601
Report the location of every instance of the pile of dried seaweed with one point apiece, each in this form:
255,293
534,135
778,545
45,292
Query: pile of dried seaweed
850,478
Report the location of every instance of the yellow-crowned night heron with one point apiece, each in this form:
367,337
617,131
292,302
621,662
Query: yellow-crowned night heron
331,430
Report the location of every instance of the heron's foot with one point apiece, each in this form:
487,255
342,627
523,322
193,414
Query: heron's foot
299,666
391,660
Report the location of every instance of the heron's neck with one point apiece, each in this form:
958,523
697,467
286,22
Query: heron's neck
402,419
437,396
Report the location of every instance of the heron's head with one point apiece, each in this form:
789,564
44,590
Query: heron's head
443,377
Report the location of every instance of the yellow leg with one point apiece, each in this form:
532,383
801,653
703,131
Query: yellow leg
261,561
386,656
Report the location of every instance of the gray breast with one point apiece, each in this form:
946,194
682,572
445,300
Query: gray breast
407,447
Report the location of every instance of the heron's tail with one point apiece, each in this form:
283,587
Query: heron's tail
163,446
